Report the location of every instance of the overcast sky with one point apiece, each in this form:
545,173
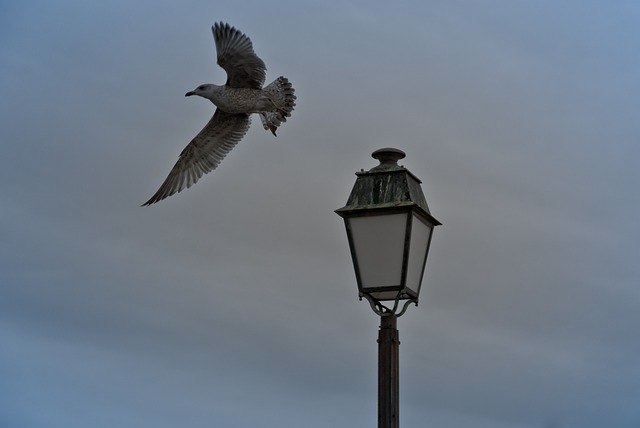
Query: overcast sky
234,303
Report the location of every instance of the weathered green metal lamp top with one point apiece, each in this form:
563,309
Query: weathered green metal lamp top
386,185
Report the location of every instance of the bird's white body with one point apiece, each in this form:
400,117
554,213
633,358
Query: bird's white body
236,100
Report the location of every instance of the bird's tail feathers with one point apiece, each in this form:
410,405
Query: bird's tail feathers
283,96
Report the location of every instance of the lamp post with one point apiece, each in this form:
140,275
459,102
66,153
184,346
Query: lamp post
389,228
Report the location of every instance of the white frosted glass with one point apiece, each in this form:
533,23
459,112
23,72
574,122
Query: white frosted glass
384,295
420,233
379,248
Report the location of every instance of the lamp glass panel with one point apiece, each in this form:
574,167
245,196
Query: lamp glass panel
385,295
379,248
420,233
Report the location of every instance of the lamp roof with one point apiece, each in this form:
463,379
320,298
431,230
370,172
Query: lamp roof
386,185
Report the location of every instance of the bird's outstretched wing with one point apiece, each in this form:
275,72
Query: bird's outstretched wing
204,153
235,54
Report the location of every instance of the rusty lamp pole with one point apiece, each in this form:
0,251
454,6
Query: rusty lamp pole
389,228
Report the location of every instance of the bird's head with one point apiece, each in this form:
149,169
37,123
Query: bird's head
203,90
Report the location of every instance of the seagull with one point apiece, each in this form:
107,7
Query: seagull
235,101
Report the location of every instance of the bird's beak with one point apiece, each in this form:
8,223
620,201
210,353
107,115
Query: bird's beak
188,94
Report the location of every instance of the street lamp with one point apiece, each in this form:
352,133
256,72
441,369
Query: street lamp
389,228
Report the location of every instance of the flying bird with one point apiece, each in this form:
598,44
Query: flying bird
235,101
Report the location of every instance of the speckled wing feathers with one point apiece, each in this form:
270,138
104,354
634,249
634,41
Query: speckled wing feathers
204,153
236,56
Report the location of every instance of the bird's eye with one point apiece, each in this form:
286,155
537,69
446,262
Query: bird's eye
201,88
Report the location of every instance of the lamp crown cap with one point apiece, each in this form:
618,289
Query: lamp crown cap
388,155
